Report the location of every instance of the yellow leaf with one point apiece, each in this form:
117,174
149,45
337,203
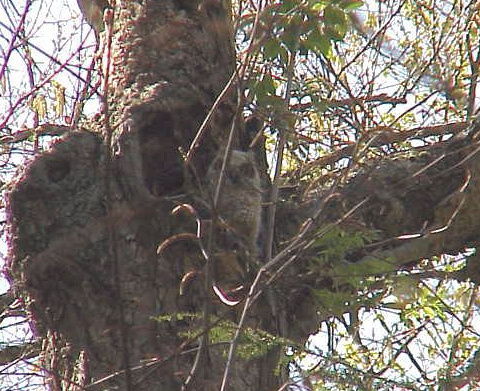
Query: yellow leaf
59,102
3,83
39,105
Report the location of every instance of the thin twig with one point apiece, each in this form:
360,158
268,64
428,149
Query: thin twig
271,221
281,143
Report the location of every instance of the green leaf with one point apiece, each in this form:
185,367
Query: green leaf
287,5
266,85
332,302
271,49
336,33
350,5
291,33
336,23
318,5
334,15
271,100
317,42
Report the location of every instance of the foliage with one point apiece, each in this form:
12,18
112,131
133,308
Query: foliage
403,65
253,343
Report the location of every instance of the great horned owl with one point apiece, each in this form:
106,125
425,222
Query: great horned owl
240,201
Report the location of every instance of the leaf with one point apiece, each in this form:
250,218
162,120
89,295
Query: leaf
287,5
336,23
265,91
290,34
336,33
350,5
271,49
317,5
39,105
334,15
271,100
318,42
332,302
266,85
59,102
3,83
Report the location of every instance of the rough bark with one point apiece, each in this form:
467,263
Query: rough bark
88,216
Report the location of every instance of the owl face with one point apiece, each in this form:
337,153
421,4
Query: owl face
241,169
240,197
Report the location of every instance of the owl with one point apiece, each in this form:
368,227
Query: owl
240,200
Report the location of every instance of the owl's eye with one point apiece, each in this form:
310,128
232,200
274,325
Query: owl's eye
247,171
235,177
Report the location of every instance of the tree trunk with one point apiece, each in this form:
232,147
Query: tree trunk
88,216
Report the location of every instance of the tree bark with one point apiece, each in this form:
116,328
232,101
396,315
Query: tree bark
88,216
